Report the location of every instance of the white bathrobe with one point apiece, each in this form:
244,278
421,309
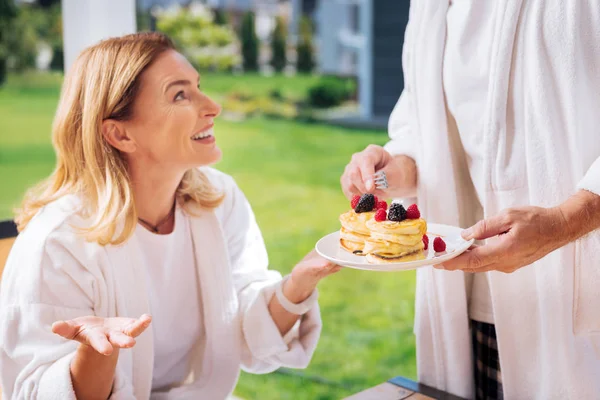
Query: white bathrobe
53,274
542,144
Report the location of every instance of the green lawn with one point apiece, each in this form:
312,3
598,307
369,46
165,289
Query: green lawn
290,173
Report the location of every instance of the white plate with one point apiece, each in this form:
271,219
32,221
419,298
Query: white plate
329,247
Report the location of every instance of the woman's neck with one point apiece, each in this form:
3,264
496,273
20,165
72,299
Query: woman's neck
154,193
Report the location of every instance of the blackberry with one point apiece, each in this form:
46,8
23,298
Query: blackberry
366,203
397,212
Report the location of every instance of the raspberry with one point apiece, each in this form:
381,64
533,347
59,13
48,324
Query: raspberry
382,205
426,242
376,201
355,200
439,245
380,215
412,212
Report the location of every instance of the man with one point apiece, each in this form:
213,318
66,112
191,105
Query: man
499,123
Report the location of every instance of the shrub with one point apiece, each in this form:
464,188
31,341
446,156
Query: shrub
305,52
220,17
278,46
207,45
8,13
249,43
330,92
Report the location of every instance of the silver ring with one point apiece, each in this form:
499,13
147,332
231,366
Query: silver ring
380,180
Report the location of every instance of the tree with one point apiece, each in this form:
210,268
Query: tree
221,17
249,43
278,46
8,13
22,38
207,45
305,52
48,3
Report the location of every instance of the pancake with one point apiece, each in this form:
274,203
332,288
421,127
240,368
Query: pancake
352,241
375,259
356,222
393,241
354,231
353,247
406,227
353,236
390,249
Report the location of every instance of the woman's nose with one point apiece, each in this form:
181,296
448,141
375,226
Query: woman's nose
209,108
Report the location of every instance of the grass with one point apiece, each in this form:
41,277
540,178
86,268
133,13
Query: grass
290,173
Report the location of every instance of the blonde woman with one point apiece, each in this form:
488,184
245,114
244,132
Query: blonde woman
133,223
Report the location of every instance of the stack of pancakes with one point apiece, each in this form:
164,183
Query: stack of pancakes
354,231
391,240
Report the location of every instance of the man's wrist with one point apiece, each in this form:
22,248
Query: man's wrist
581,213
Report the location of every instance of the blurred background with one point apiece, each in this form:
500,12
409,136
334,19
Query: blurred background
304,84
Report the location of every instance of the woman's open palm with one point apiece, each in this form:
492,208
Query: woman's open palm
103,334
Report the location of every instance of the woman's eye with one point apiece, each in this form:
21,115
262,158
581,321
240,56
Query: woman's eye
180,95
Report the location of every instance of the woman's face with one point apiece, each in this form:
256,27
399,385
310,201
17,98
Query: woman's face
172,124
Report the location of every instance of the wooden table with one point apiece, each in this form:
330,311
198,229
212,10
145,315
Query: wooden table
400,388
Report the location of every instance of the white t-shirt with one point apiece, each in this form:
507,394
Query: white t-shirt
175,301
469,34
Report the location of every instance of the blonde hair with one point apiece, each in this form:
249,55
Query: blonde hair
103,83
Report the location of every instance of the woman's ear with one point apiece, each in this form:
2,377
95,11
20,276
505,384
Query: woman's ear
115,134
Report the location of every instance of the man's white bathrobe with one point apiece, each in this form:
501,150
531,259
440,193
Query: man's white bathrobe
53,274
542,144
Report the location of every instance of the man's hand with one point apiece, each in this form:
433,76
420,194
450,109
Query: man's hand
401,174
523,235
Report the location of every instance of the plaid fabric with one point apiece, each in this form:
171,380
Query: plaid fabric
488,379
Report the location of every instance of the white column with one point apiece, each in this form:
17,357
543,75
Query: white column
86,22
365,68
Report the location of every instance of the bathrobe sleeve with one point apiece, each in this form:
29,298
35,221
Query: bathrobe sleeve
587,269
403,137
51,274
264,348
43,282
591,180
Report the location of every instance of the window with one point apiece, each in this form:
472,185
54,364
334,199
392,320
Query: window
354,18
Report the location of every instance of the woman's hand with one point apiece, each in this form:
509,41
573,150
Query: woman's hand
306,275
302,282
400,170
103,334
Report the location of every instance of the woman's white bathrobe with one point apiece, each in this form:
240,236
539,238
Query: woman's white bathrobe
53,274
542,144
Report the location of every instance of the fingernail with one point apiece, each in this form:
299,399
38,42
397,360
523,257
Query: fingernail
369,184
467,233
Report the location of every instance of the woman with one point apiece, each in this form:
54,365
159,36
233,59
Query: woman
132,222
498,123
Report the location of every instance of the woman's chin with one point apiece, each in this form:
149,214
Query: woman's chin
209,159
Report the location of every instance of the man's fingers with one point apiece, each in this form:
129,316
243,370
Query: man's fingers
356,179
348,187
478,259
487,228
367,169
